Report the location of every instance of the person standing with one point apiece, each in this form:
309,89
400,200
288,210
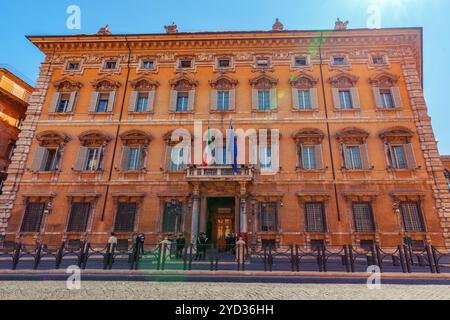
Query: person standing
202,243
180,244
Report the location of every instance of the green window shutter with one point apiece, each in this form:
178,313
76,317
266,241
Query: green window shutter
213,100
81,159
377,97
314,98
232,99
409,154
72,101
93,102
355,98
336,100
133,101
295,101
151,101
273,99
173,100
191,101
111,101
38,159
254,99
397,97
55,101
319,156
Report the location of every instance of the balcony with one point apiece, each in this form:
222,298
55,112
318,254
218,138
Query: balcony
219,173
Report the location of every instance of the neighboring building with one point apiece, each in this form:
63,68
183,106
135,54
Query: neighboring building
446,163
359,162
14,95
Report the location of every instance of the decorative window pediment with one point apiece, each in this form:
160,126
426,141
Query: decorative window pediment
384,80
263,82
303,81
136,137
94,138
312,135
343,80
183,83
52,138
67,85
352,134
106,84
397,134
223,83
167,137
144,84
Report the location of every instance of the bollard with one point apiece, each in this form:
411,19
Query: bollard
265,259
185,249
190,257
59,255
16,256
37,257
407,259
430,259
297,260
378,257
402,258
436,259
350,256
347,266
270,260
291,247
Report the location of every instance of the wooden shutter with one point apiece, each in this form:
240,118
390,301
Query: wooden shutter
299,156
397,97
409,154
72,101
81,158
133,101
38,159
111,101
168,158
364,156
336,100
151,101
93,102
101,158
319,156
273,99
377,97
254,99
314,97
191,100
173,100
355,98
295,102
213,100
124,161
343,156
388,153
55,101
232,99
143,157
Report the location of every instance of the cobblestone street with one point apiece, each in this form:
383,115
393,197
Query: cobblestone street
207,291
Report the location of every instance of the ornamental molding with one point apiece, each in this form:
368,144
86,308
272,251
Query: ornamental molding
304,81
136,136
263,80
185,81
144,83
343,80
51,137
384,80
223,82
94,137
395,133
67,85
106,84
307,134
352,133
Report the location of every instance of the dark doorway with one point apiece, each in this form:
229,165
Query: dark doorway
220,220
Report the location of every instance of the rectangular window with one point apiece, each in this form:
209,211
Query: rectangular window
223,100
262,63
263,99
315,221
362,215
301,61
182,101
353,157
412,216
102,103
79,217
387,102
339,61
92,159
50,159
32,219
304,100
345,100
63,103
173,217
147,64
224,63
142,102
378,60
265,158
398,157
135,160
186,64
73,66
110,65
268,216
308,157
125,217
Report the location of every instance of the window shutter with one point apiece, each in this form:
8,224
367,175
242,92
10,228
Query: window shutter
81,159
409,154
133,101
143,157
232,99
355,98
364,156
314,98
168,158
151,101
344,156
295,102
397,97
58,158
319,156
55,101
377,97
273,99
254,99
111,101
213,100
93,102
336,100
72,101
38,157
191,100
124,162
299,156
173,100
388,152
101,158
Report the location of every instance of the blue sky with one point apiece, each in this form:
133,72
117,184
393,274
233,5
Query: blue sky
46,17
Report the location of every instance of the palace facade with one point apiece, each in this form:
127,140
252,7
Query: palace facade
358,158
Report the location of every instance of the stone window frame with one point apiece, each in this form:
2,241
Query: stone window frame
135,138
373,65
141,70
168,145
310,137
259,82
346,66
406,195
105,60
49,139
187,84
386,81
185,199
223,83
256,68
72,197
104,85
179,69
395,136
308,66
218,69
128,197
362,196
139,85
92,139
304,81
306,196
353,136
45,197
347,81
65,86
79,71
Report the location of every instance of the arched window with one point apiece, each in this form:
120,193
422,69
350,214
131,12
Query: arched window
399,149
386,93
345,92
142,98
134,152
354,153
103,98
223,94
65,96
264,93
182,95
92,151
304,93
309,148
48,154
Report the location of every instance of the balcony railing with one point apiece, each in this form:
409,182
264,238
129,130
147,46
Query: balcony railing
209,173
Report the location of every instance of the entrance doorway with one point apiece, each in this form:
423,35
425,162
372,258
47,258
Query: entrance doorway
221,213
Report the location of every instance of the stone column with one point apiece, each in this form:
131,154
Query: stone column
203,214
195,221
